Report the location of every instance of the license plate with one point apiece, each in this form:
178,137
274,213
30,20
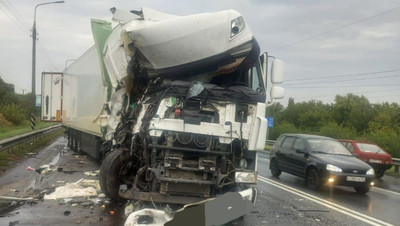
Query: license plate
375,160
356,179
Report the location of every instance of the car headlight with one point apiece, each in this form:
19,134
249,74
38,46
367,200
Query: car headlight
246,177
237,25
371,172
333,168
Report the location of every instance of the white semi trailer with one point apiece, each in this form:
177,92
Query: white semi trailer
175,105
51,101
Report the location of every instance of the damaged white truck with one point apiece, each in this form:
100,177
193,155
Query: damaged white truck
175,105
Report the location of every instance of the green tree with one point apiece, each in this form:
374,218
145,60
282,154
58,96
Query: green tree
306,115
274,110
387,117
7,93
334,130
353,111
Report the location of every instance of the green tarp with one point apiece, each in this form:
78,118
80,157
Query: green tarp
101,29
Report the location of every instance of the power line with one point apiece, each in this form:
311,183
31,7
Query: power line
359,93
338,28
350,86
338,76
18,16
44,54
10,11
345,80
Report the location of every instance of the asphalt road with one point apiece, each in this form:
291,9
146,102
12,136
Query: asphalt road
331,205
281,201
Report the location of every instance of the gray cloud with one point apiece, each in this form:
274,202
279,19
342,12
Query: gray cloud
289,30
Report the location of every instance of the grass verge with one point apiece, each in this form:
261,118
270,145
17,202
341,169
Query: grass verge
9,157
392,173
10,131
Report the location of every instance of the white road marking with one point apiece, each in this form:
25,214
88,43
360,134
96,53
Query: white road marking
373,188
385,190
328,204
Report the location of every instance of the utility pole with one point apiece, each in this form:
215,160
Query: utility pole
34,49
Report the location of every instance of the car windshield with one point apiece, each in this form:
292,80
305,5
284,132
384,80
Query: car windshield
369,148
326,146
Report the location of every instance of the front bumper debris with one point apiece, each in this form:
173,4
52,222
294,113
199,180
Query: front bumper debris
213,211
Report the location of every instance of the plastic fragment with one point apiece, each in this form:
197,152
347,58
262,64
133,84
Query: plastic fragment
195,90
128,209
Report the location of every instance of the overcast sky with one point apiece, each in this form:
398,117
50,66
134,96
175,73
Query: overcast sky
329,47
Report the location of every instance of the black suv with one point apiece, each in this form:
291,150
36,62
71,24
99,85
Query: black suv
320,160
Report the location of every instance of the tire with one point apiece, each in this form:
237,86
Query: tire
380,174
362,189
275,171
110,172
312,179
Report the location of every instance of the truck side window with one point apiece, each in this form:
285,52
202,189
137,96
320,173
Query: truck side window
254,81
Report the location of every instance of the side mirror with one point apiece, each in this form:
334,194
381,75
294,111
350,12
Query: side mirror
277,71
277,92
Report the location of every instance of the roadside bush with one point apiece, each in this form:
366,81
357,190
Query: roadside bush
332,129
4,122
282,128
388,140
14,113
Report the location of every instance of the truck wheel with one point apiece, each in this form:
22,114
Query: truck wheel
275,171
312,179
362,189
110,178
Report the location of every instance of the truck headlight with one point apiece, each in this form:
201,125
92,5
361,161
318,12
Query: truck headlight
246,177
333,168
237,25
370,172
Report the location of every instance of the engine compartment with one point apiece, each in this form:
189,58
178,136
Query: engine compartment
185,139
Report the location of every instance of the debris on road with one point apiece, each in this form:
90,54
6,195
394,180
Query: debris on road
147,217
6,198
90,183
128,209
71,190
92,173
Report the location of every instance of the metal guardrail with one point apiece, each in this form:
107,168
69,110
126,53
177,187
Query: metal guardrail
269,142
395,161
9,143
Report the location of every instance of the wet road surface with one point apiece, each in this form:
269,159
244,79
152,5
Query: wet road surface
333,205
281,201
19,182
